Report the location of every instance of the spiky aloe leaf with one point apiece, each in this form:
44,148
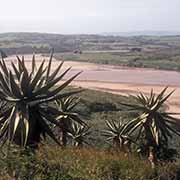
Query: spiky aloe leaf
51,84
15,90
49,65
37,76
15,70
24,83
54,74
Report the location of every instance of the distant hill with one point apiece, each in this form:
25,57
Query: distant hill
26,43
143,33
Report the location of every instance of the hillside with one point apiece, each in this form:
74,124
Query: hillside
42,42
159,52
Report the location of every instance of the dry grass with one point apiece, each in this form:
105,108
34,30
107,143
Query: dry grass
53,162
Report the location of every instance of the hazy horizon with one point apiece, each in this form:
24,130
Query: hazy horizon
89,16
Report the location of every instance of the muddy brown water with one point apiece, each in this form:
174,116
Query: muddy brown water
132,76
114,74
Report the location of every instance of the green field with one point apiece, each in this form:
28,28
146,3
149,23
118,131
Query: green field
164,59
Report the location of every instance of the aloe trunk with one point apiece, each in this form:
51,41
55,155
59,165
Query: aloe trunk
118,144
152,157
63,131
64,138
78,144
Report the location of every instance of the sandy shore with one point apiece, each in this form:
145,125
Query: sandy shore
119,80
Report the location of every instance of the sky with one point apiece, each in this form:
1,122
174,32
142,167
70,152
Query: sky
89,16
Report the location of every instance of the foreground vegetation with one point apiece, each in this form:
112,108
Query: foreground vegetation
81,164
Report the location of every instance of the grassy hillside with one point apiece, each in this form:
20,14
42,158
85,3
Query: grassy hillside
29,42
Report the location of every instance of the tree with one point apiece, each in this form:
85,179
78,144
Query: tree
65,107
78,133
116,133
153,126
27,93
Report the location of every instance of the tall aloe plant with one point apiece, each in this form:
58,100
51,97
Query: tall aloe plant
78,133
115,133
27,93
153,125
66,107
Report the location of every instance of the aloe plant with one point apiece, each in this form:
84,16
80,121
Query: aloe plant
66,107
78,133
27,94
115,133
152,124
